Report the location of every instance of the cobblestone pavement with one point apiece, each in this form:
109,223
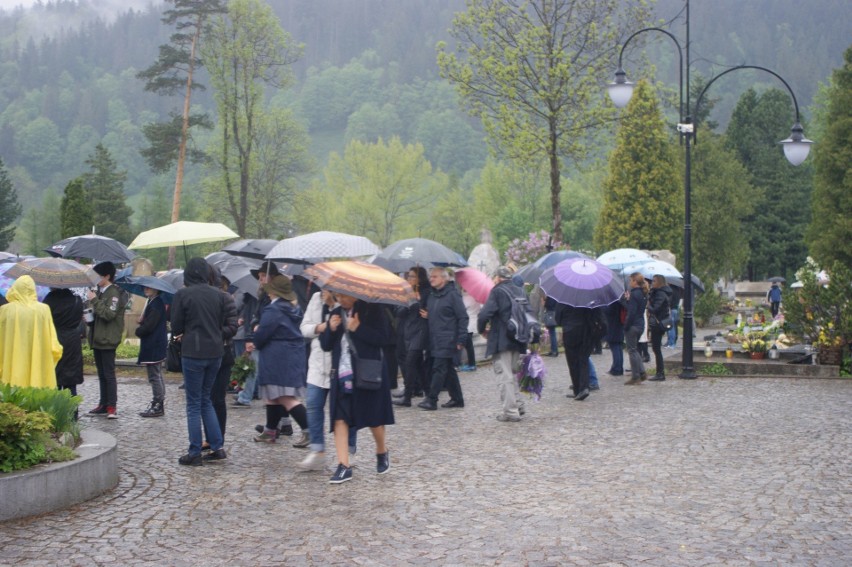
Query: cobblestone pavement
715,471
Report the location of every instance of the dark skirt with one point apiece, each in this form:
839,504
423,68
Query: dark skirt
361,408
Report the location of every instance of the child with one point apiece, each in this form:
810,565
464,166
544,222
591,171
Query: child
152,332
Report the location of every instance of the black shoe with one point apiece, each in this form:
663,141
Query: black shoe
383,462
258,428
402,402
418,394
582,395
154,410
646,359
452,404
191,460
428,405
98,410
657,378
595,387
399,395
286,430
611,373
217,455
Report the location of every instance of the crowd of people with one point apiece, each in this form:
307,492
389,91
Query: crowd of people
313,347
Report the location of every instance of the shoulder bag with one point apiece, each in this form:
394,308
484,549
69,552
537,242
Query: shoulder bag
368,371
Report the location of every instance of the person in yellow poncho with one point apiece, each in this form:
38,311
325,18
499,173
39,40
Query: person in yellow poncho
29,348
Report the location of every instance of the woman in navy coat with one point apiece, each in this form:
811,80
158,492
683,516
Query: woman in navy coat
152,348
359,332
281,367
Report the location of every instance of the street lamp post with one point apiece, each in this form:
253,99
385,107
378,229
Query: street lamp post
796,149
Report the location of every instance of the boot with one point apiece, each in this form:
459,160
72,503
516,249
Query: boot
154,410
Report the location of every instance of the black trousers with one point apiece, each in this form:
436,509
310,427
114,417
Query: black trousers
220,388
105,363
444,374
415,372
656,346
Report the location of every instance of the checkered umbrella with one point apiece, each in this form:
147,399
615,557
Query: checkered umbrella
323,244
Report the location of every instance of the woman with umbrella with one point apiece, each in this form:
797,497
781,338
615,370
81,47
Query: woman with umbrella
152,349
635,300
659,309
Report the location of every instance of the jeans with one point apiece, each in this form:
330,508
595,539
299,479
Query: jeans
468,347
672,338
246,395
315,405
105,363
155,378
503,364
554,344
198,377
444,374
617,351
593,375
631,338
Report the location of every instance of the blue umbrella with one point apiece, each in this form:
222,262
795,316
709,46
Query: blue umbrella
135,285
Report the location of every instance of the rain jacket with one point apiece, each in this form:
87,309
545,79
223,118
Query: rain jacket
29,347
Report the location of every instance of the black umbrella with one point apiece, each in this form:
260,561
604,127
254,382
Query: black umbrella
173,277
237,270
777,279
256,248
405,254
94,246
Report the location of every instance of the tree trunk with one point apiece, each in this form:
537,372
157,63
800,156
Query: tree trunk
555,185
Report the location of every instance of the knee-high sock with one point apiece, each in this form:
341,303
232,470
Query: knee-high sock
273,416
300,415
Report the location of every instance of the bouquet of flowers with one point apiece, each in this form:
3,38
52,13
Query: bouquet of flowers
531,375
755,342
243,366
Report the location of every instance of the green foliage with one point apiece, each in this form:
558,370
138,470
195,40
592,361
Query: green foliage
830,230
123,351
10,208
537,89
22,437
706,305
715,369
643,194
104,185
821,312
776,229
75,211
58,405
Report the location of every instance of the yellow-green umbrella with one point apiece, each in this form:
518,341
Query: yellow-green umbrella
182,233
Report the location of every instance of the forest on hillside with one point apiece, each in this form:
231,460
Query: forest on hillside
368,71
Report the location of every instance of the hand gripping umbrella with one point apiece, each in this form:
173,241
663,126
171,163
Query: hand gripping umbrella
582,282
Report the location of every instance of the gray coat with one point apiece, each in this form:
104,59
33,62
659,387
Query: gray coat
498,309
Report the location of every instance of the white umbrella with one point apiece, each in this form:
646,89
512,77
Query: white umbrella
308,248
658,267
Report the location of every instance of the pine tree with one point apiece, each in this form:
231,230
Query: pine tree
10,208
643,195
830,230
104,186
75,211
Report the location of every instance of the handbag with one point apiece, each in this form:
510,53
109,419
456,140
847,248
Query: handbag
659,324
368,371
549,318
173,356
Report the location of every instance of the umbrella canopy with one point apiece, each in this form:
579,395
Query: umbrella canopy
531,273
135,285
55,272
620,257
237,270
777,279
321,245
405,254
658,267
182,233
173,278
255,248
362,280
475,282
94,246
6,283
582,282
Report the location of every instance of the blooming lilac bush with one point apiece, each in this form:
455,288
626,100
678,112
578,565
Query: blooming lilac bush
523,252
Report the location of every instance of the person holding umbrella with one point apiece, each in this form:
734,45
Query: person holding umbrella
107,304
152,348
635,300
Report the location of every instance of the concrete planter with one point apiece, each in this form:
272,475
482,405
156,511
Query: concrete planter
46,488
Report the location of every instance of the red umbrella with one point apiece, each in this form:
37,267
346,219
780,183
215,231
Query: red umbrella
476,283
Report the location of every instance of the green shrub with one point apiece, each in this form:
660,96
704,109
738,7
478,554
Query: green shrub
706,305
59,405
123,351
22,437
715,369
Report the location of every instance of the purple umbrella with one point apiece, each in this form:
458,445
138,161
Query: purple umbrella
582,282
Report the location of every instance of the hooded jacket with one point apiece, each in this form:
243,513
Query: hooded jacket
198,313
498,309
67,311
659,302
29,347
447,321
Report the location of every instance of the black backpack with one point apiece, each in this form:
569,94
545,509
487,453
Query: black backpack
523,326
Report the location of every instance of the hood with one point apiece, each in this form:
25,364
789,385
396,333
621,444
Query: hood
22,291
215,277
196,272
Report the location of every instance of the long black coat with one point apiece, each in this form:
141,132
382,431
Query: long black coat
447,321
152,331
67,311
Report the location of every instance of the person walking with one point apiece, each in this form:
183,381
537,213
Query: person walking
108,304
67,312
472,307
416,338
152,348
549,321
505,351
634,301
773,296
579,340
198,315
447,320
659,309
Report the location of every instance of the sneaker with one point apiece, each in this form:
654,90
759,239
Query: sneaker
111,413
285,430
98,410
584,393
266,437
217,455
191,460
239,404
303,441
594,387
313,462
154,410
383,462
508,418
341,475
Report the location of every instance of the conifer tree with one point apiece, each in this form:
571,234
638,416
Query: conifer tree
830,231
10,208
104,186
643,195
75,211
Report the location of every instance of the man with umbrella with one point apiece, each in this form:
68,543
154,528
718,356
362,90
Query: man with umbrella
504,350
108,304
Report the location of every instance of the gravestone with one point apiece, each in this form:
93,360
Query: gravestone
484,257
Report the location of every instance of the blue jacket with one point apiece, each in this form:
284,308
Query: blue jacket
152,331
281,346
635,309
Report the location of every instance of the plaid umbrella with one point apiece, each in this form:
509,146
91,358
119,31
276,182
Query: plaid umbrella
55,272
582,282
323,244
362,280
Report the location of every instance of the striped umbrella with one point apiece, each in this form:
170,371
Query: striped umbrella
364,281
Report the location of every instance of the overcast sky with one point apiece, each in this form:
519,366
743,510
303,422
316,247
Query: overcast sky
9,4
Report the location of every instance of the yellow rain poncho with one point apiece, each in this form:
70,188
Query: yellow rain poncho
29,348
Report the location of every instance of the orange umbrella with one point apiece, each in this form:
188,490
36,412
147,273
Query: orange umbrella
365,281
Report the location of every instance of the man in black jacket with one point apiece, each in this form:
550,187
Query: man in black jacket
198,315
447,331
504,350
